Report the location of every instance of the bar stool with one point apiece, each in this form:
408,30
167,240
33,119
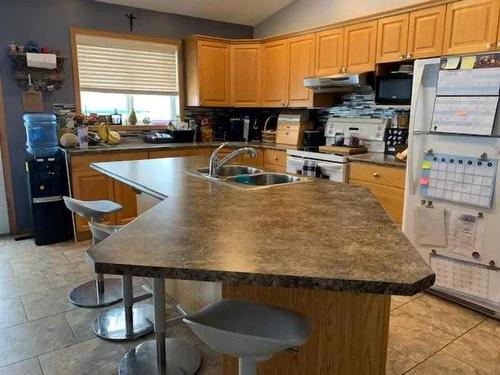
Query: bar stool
100,292
127,322
250,331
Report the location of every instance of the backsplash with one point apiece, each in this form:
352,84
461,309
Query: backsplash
363,105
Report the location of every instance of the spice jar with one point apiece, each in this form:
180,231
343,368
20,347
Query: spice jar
339,139
354,136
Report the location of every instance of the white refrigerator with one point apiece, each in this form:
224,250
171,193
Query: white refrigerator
452,203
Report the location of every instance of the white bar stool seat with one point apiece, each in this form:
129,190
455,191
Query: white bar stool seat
100,292
250,331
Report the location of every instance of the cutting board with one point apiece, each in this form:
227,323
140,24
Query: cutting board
343,150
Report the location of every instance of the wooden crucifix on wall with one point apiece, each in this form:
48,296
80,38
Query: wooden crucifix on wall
131,19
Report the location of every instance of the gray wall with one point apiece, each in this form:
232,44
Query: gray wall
48,22
307,14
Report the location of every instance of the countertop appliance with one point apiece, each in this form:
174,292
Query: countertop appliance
182,135
394,88
48,183
339,83
313,139
328,166
158,137
371,131
235,130
452,208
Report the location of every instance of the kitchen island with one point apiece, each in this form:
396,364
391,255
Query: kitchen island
324,249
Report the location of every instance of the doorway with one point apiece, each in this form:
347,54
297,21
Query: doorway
7,214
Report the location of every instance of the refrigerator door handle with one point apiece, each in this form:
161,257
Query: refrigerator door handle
413,110
54,198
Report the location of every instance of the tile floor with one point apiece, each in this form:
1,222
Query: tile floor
42,333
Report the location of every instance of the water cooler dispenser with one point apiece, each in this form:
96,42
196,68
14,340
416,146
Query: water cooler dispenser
47,181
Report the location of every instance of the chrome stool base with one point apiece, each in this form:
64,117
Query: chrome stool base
122,324
181,358
86,295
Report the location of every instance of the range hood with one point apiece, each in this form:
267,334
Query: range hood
339,83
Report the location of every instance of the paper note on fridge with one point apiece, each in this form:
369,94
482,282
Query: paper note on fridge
465,234
465,115
430,228
472,82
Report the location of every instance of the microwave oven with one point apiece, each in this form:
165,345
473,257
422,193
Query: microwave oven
394,88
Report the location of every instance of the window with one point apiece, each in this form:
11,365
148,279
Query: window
118,75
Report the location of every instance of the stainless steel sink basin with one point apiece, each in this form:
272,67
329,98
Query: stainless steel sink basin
265,179
231,170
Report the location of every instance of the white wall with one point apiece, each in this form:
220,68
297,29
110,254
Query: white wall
307,14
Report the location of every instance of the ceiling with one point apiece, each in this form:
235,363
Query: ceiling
243,12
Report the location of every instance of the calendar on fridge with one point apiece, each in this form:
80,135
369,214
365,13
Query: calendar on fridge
457,178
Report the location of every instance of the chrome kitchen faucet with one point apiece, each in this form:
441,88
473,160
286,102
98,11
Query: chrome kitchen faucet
215,162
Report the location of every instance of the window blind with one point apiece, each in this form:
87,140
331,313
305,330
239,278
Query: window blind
130,67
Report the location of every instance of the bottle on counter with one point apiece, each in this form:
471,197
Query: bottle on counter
354,137
339,139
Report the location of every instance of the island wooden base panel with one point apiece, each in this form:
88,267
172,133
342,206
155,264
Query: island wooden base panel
349,337
349,330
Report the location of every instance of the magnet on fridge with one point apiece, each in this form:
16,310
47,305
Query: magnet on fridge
424,181
426,164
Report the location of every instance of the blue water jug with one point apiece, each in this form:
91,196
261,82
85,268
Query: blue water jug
41,134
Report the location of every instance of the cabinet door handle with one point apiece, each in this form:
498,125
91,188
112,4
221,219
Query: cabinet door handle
402,57
375,174
490,45
340,70
408,56
275,158
498,45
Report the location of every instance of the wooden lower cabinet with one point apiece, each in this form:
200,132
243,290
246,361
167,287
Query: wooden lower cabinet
193,151
274,161
91,185
127,197
385,183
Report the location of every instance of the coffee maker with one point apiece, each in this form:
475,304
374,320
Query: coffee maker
235,129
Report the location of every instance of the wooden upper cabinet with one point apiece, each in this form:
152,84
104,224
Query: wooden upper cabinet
426,32
329,51
392,38
301,65
274,73
359,47
246,75
471,26
214,60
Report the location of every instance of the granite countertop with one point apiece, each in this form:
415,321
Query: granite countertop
318,235
138,144
378,158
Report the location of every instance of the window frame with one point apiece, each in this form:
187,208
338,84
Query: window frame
75,31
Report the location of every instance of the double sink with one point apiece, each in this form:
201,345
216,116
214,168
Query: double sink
246,177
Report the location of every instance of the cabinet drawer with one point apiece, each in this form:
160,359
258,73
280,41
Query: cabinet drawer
288,137
274,168
82,163
275,157
288,126
377,174
204,151
258,161
391,198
